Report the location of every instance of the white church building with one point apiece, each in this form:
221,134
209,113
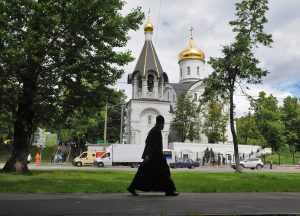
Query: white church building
153,94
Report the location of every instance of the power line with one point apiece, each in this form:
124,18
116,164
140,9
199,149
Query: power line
158,20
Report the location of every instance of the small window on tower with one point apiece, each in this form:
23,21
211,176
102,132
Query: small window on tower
149,119
189,70
140,83
180,72
198,70
150,83
168,96
173,98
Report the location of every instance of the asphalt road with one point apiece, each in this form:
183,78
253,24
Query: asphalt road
150,204
48,166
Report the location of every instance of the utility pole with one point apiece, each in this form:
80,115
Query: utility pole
105,127
121,126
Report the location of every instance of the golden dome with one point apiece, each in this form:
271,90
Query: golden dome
191,52
148,27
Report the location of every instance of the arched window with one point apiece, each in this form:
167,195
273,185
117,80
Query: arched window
180,72
198,72
150,83
195,97
149,119
168,96
140,83
189,70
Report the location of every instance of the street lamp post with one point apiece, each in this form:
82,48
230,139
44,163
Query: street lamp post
105,127
121,126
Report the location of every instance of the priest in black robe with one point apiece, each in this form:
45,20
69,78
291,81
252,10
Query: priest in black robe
154,173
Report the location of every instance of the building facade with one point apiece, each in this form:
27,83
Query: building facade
153,95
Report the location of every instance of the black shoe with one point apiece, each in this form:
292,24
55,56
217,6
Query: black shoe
132,191
172,193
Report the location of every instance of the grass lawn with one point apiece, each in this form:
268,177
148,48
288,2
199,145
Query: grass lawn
104,181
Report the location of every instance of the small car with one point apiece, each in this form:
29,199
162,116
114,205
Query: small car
184,163
252,163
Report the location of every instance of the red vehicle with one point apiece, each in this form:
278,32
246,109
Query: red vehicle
100,153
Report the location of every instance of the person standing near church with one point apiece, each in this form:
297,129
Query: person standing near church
37,159
154,173
29,158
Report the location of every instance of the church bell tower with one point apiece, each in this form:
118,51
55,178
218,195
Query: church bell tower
148,78
148,82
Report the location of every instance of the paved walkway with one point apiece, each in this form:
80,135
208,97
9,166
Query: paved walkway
65,166
150,204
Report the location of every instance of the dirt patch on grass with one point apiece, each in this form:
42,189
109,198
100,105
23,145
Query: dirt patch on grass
249,177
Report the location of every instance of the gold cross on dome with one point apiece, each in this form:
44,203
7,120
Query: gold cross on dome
149,15
191,30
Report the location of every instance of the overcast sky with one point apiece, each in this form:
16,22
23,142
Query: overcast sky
172,20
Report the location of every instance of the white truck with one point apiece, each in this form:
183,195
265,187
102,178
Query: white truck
127,155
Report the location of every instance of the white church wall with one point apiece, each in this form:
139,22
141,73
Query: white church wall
188,70
170,94
143,116
194,150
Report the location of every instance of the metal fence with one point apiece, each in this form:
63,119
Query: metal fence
282,159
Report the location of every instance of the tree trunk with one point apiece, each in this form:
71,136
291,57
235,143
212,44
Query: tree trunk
235,142
293,158
23,129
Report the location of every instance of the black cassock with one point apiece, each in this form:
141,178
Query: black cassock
153,175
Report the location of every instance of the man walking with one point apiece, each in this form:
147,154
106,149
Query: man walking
154,173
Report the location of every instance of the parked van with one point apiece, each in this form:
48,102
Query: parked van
127,155
86,158
121,155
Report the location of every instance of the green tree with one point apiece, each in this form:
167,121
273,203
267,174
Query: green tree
215,123
7,109
6,125
90,125
186,121
223,127
268,119
81,125
57,56
248,131
238,64
114,115
291,120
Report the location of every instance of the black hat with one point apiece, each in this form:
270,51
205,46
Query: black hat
160,119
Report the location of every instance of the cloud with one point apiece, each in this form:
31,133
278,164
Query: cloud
242,102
